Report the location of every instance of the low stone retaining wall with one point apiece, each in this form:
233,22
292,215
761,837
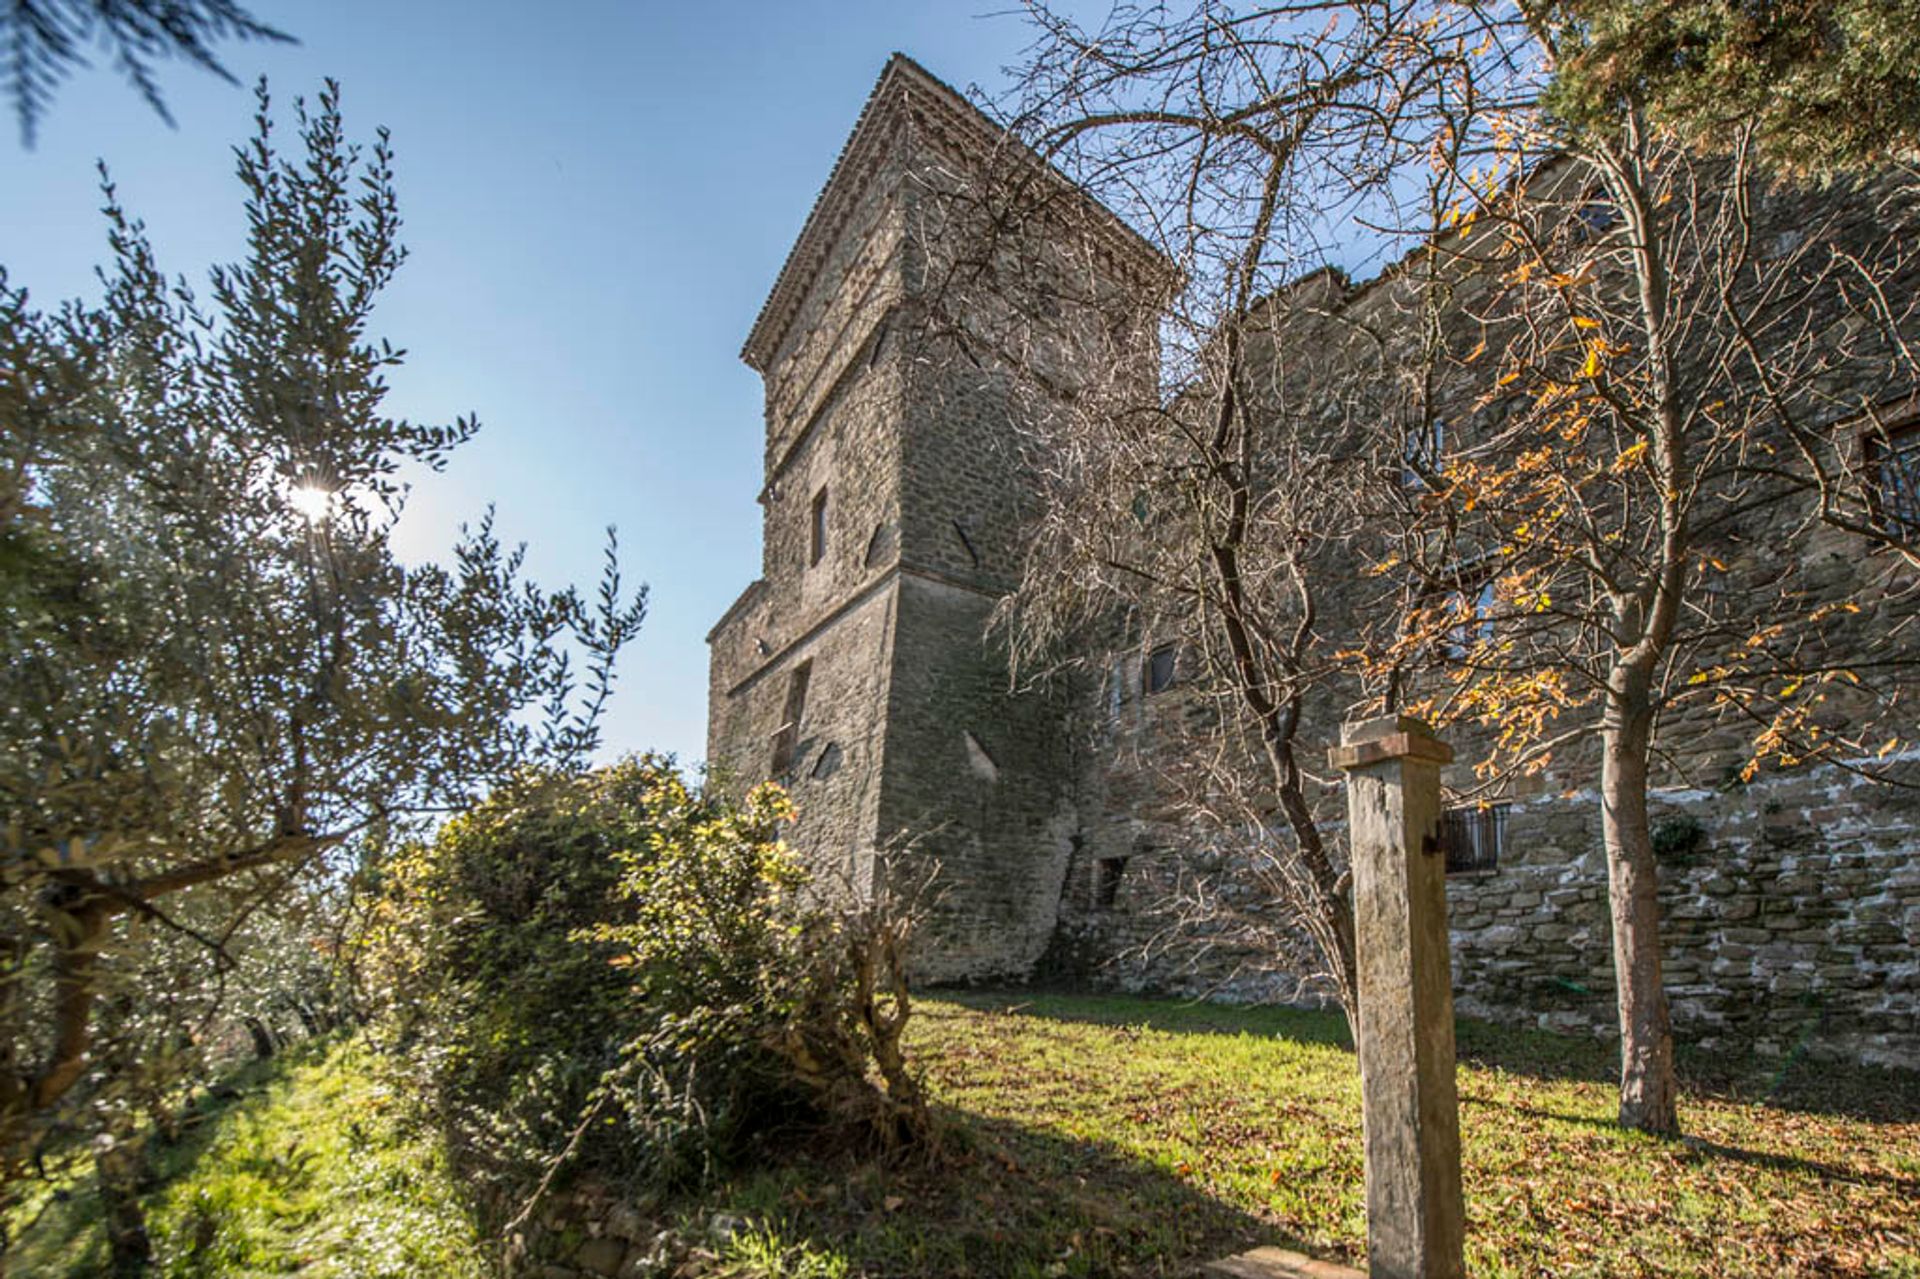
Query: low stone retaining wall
1790,919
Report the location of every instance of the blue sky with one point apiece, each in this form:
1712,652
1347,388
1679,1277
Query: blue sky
597,197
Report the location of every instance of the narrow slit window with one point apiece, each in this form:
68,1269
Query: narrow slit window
1160,669
819,525
1108,872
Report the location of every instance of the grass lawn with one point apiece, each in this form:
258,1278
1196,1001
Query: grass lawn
1106,1136
313,1171
1093,1136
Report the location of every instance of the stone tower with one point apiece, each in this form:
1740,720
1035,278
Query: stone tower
857,668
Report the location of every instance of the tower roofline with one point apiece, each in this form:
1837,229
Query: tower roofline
902,82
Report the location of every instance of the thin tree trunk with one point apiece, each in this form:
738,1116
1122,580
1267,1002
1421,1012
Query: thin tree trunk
122,1172
1648,1091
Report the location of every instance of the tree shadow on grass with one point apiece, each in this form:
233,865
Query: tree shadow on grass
1175,1016
1699,1148
1798,1083
63,1236
999,1199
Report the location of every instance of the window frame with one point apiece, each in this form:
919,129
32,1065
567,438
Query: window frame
1460,825
1149,685
1897,438
817,528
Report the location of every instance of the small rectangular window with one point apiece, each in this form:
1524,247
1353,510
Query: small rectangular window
1160,669
1108,872
1893,461
1474,838
819,527
786,739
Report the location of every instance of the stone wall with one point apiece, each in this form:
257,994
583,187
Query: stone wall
976,781
1790,920
906,345
1790,911
909,743
586,1230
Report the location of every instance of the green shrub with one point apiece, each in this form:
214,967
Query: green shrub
505,1022
616,972
757,1001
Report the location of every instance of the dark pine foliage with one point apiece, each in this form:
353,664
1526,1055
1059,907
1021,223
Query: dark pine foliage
42,42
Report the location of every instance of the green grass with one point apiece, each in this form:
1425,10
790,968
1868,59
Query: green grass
1098,1136
314,1171
1088,1136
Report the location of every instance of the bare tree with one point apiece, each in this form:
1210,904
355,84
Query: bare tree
1674,366
1593,366
1227,498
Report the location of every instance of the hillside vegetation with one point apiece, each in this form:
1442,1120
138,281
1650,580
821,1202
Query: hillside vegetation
315,1168
1104,1136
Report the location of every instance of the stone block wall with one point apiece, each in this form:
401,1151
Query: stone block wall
977,781
1790,919
909,741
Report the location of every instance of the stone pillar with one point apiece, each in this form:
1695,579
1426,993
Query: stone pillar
1415,1218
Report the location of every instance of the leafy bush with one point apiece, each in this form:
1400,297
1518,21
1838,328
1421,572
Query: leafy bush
504,1021
755,999
618,973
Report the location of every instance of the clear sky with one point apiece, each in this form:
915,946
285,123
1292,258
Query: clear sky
597,198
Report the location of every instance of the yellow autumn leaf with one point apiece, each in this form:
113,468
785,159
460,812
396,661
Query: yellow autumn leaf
1591,368
1630,455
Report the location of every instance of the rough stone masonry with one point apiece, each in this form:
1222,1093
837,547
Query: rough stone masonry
858,670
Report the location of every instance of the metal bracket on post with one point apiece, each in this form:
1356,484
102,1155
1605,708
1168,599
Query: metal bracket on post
1415,1213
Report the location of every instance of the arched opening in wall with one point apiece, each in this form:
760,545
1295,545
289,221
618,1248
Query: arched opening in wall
786,738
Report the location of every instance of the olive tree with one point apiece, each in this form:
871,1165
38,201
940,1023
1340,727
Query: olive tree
216,676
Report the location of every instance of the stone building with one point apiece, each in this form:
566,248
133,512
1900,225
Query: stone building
858,668
854,667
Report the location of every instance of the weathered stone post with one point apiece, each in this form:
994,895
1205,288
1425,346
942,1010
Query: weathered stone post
1415,1217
